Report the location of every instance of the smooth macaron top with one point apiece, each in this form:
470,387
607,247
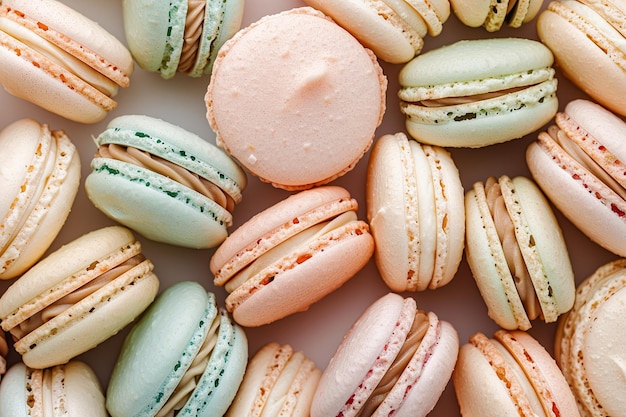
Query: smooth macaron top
311,94
493,16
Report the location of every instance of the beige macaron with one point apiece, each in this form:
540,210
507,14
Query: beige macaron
493,15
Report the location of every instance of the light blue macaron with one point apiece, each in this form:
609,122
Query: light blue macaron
179,35
193,210
184,354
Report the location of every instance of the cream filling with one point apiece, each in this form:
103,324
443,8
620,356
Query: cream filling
585,160
72,298
59,57
515,261
190,379
411,343
193,30
289,246
454,101
175,172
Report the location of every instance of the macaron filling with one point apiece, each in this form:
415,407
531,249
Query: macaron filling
194,22
58,307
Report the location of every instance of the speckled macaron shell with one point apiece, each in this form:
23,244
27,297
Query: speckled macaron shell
72,389
471,67
278,381
407,199
565,179
588,340
493,15
33,217
590,38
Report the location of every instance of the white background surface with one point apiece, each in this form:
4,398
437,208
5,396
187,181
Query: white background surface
319,330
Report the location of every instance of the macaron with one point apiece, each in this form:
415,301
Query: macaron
4,351
71,390
393,29
296,99
587,40
77,297
589,342
493,15
179,36
279,381
184,357
61,60
395,360
164,182
416,213
39,181
474,93
579,164
516,252
292,254
511,374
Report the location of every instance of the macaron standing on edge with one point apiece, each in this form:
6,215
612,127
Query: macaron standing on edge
39,179
494,15
60,60
179,36
296,99
77,297
164,182
292,254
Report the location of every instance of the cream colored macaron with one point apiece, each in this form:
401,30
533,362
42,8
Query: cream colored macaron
493,15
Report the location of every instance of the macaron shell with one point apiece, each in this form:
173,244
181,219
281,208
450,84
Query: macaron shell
13,393
83,395
471,13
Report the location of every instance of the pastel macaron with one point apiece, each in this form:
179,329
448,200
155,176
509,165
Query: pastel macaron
394,360
474,93
61,60
164,182
579,164
587,40
72,390
589,341
511,374
416,213
494,15
78,296
183,357
394,30
39,182
292,254
296,99
279,381
517,253
179,36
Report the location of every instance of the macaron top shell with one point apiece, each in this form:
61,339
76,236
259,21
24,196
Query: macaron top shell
324,74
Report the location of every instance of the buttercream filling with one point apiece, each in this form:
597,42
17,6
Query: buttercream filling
512,253
72,298
190,379
413,339
576,152
290,245
454,101
194,23
59,57
175,172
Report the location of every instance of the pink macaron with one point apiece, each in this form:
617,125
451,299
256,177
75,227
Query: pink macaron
395,360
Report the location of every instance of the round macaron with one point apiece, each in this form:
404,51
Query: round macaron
587,40
395,360
69,390
179,36
292,254
278,382
579,163
296,99
164,182
493,15
475,93
416,213
517,253
183,357
589,342
60,60
39,181
392,29
510,375
78,296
